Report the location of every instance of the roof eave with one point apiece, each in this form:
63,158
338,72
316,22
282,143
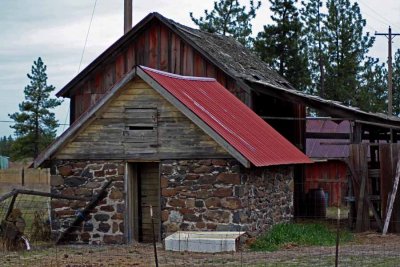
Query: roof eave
84,120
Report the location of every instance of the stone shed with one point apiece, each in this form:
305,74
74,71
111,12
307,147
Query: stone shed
185,146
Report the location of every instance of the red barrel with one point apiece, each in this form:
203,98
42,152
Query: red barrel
316,203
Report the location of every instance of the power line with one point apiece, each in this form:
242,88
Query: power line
83,52
14,122
379,16
87,35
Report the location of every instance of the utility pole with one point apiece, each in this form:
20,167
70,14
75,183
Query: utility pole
390,37
127,15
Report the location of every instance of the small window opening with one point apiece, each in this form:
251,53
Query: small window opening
144,128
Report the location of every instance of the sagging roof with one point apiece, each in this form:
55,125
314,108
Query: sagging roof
318,148
210,106
244,66
223,51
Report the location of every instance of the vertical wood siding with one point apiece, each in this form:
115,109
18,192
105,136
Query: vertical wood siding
330,176
157,47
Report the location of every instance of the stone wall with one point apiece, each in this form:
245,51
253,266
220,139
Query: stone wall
224,196
85,179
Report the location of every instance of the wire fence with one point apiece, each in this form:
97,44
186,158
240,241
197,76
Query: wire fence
31,216
366,249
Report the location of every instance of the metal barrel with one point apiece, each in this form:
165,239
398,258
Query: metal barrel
316,203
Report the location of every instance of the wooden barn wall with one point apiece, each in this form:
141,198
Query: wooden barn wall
174,135
157,47
331,176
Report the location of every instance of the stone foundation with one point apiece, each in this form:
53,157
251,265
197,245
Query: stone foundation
207,195
85,179
224,196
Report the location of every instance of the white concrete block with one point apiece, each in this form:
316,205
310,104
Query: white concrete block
207,242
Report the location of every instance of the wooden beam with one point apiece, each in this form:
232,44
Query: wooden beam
319,135
369,200
392,199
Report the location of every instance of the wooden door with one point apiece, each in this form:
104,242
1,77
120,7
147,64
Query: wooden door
148,195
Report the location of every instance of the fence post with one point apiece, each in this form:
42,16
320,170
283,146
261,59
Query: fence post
337,238
154,235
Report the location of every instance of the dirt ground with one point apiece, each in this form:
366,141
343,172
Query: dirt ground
368,249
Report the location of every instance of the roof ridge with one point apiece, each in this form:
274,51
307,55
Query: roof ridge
176,76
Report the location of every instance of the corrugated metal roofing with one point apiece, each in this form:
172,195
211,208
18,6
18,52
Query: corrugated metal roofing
231,119
327,148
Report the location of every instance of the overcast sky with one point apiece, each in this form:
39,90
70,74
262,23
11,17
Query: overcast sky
56,31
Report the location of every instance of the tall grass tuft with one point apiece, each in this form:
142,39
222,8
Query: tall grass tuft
298,234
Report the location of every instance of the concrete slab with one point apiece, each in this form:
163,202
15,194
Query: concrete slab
206,242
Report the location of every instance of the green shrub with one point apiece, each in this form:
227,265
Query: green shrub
299,234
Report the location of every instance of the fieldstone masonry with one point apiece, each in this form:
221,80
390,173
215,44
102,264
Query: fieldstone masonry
224,196
85,179
203,195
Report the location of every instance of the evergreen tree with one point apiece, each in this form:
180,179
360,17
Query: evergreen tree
5,145
396,83
312,18
282,45
35,125
229,18
372,91
347,47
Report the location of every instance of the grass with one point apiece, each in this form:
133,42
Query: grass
299,234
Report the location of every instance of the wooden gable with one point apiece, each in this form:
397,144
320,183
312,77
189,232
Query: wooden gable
154,45
140,124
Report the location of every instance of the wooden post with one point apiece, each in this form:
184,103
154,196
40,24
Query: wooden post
392,199
127,15
154,236
337,238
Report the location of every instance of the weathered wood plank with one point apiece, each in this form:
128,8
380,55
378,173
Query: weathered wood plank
172,132
392,199
163,48
153,35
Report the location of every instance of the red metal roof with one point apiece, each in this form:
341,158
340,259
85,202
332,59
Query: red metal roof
231,119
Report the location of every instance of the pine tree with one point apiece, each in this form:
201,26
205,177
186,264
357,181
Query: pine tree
35,125
347,47
372,91
282,45
396,83
312,18
5,145
229,18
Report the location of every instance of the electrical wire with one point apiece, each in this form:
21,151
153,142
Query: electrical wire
80,62
378,16
87,35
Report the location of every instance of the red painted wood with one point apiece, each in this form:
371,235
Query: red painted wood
153,46
188,60
199,65
120,67
331,176
130,58
164,35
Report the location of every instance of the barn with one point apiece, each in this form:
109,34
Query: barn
184,145
127,126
